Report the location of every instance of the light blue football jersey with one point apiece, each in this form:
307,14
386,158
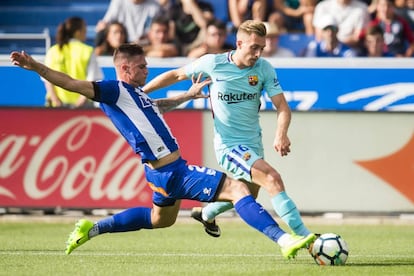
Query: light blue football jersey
235,97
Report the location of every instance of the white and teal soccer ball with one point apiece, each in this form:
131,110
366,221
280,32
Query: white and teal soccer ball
329,249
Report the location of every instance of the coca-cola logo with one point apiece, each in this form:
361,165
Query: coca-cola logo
82,157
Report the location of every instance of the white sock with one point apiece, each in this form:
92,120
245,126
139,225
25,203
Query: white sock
94,231
205,218
284,240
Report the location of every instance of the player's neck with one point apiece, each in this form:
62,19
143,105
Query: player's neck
235,59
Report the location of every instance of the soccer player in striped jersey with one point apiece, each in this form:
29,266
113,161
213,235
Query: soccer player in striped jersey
139,120
238,80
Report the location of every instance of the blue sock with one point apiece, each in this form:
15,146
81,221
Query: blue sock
131,219
287,211
213,209
257,217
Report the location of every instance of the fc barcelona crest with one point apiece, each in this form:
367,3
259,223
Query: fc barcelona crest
253,80
247,156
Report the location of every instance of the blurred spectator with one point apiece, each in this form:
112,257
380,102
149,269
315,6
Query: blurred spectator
328,45
405,9
158,43
136,15
189,19
215,40
372,7
351,17
165,5
397,33
115,34
72,56
272,48
374,45
296,15
242,10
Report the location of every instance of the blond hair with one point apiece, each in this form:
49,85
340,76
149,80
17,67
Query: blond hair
252,27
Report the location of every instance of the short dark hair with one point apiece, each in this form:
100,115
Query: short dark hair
161,20
375,30
128,50
219,24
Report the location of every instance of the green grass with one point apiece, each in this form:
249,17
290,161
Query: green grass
38,249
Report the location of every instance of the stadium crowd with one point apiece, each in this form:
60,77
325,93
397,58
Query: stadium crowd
195,27
347,21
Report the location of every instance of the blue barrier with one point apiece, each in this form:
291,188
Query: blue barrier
310,84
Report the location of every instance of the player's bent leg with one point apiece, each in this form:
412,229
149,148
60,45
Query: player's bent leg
283,205
288,212
254,215
132,219
79,235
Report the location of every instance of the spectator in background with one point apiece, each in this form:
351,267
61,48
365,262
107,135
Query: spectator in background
135,15
157,42
351,17
293,15
165,5
115,34
72,56
328,45
242,10
398,36
272,48
189,20
405,9
215,40
374,45
408,13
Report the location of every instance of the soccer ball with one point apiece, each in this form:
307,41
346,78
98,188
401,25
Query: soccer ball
329,249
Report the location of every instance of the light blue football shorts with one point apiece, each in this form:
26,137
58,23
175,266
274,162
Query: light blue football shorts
238,160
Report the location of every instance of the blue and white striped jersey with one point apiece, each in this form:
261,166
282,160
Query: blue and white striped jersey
137,118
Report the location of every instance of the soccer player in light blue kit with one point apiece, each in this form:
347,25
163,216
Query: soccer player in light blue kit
238,79
139,119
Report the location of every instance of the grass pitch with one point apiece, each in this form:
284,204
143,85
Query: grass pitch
37,248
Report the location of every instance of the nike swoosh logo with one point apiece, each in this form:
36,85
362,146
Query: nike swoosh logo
78,240
217,79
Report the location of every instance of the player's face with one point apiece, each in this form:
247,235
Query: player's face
136,71
251,48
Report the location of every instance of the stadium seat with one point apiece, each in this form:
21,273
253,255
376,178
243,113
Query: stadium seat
27,16
296,42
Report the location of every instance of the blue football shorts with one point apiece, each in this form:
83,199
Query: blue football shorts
238,160
179,180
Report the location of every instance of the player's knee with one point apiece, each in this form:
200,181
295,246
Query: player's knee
240,189
162,221
274,183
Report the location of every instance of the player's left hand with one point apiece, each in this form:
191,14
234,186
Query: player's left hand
196,90
22,59
282,145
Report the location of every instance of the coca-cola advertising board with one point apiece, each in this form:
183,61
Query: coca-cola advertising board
77,159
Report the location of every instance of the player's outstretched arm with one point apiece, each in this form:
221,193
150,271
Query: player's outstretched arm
60,79
195,92
165,79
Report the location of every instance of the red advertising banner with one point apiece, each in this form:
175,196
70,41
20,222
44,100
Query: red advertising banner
77,159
